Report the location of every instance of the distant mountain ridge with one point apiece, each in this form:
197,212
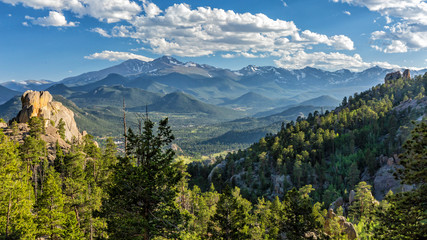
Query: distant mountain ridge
270,81
6,94
22,86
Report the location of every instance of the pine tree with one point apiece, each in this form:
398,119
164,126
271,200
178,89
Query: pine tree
16,198
61,128
298,217
33,152
36,126
231,219
364,203
50,207
141,203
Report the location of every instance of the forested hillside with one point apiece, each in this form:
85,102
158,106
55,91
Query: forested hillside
331,151
278,188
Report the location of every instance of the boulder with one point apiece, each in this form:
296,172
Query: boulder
351,196
41,104
52,138
384,181
347,227
337,203
392,76
278,182
390,161
406,74
217,168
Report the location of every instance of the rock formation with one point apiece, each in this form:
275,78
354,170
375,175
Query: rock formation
347,227
392,76
406,74
351,197
41,104
384,179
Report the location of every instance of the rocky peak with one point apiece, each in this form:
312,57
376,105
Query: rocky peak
168,60
406,74
41,104
392,76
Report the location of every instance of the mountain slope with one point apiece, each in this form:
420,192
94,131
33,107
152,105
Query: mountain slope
179,102
6,94
114,96
10,109
321,101
333,151
250,99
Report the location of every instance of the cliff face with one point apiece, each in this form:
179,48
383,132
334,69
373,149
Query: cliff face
41,104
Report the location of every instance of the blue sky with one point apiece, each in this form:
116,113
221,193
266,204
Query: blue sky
54,39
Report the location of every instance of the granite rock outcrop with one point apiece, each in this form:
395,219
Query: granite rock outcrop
40,104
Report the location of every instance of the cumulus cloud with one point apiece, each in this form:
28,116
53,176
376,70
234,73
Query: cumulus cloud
347,13
328,61
339,42
104,10
55,19
183,31
151,9
409,32
117,56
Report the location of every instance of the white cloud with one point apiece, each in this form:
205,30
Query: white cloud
244,54
396,46
182,31
9,15
409,33
101,32
54,19
117,56
284,3
339,42
151,9
229,55
104,10
25,24
328,61
347,13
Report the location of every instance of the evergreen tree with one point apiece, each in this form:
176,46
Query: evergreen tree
298,216
61,128
16,198
33,152
141,203
50,207
36,126
364,203
231,219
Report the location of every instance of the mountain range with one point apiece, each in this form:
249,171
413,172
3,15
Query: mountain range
217,85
